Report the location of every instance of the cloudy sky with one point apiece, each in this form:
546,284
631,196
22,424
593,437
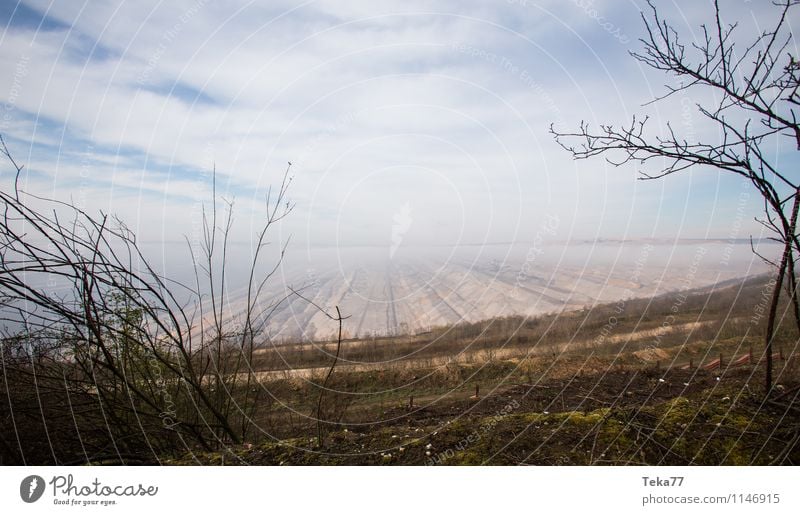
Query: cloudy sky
427,116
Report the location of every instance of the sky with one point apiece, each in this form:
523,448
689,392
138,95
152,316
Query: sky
424,122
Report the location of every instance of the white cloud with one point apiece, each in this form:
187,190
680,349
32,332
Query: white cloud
447,102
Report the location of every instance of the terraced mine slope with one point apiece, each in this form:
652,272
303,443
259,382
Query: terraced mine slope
413,292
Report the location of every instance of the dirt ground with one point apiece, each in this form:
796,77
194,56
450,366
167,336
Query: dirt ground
619,416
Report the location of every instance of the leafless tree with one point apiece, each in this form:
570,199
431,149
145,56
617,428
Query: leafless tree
91,326
320,417
755,90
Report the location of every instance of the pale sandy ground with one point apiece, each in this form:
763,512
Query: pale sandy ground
411,295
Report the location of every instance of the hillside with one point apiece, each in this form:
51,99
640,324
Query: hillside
632,382
417,289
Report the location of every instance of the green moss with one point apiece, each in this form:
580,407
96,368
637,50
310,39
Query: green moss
587,418
678,411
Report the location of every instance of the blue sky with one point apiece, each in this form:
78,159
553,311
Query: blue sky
438,110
